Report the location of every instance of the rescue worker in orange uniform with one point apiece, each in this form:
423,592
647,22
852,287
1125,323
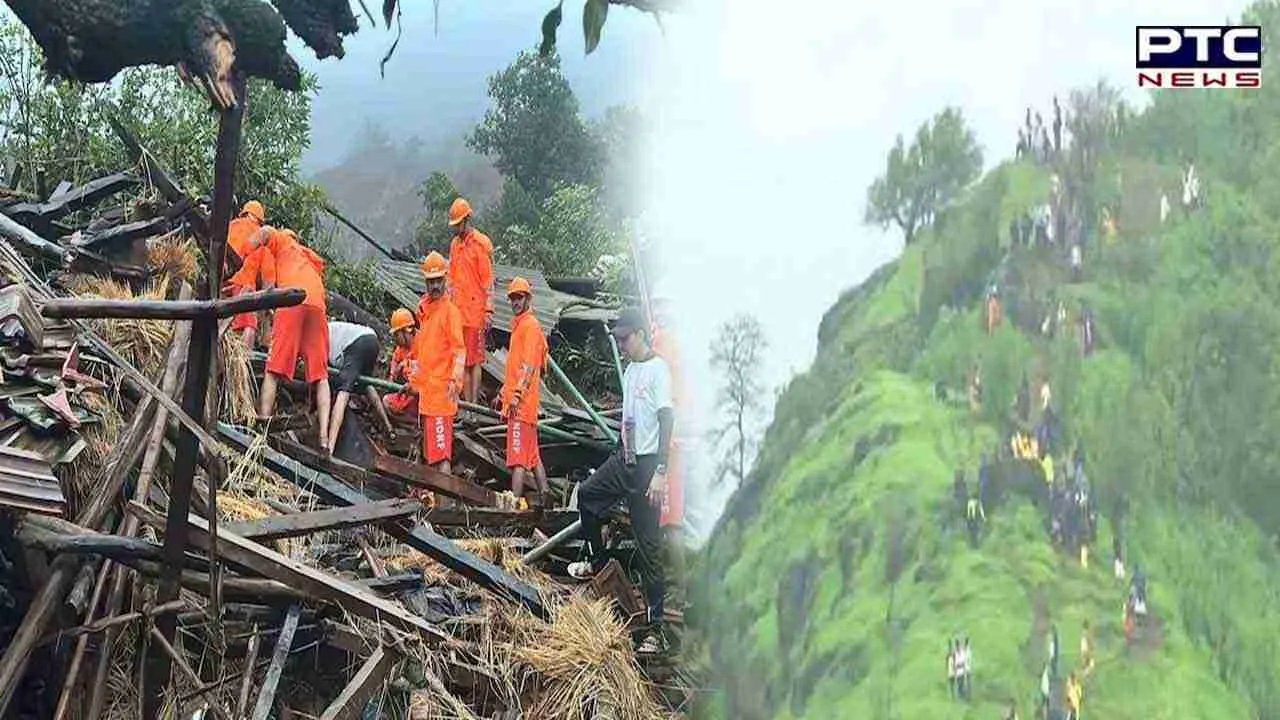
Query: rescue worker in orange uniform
252,265
404,329
440,352
301,331
519,397
471,287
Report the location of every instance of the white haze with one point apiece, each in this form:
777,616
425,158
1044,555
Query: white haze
772,119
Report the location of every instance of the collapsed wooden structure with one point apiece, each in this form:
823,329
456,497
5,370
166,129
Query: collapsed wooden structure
193,564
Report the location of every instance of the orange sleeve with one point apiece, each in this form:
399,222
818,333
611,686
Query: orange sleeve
457,347
486,275
267,266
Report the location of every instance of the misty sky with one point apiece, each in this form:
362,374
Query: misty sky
435,83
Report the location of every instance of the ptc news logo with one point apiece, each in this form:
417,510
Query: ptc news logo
1203,56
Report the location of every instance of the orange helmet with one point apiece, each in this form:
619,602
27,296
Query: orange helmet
253,208
519,285
460,210
434,266
401,319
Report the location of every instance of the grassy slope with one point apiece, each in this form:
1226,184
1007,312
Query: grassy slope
804,560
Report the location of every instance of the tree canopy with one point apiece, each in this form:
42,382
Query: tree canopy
532,129
923,178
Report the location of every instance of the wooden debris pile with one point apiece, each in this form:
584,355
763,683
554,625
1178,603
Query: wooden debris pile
202,567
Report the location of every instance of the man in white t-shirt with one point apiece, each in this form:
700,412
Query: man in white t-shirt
637,472
353,349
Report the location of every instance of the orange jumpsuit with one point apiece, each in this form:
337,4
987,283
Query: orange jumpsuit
671,513
471,287
403,367
525,362
301,330
440,352
252,262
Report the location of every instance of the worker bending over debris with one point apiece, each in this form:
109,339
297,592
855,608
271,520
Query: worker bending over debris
440,353
298,331
519,397
253,264
403,364
353,349
471,287
637,473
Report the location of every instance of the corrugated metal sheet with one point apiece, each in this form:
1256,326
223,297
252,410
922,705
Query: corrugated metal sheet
404,281
27,483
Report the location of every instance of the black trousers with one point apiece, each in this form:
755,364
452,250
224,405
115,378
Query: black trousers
612,483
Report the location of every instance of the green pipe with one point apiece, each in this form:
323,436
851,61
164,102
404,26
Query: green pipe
595,416
544,427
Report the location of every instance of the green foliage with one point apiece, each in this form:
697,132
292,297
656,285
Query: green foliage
570,236
433,232
61,130
533,130
923,179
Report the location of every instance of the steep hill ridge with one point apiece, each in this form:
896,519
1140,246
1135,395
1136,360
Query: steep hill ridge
841,568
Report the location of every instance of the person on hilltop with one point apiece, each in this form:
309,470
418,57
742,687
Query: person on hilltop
254,266
301,331
636,473
471,289
439,350
519,397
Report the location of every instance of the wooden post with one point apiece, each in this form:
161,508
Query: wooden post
173,370
202,359
267,694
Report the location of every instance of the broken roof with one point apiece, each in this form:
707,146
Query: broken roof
404,281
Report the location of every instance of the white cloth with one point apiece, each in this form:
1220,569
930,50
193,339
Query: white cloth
341,335
646,389
1164,208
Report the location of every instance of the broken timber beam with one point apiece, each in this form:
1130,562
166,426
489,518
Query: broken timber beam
429,477
315,583
305,523
485,574
173,309
371,678
267,693
551,520
393,469
72,200
32,244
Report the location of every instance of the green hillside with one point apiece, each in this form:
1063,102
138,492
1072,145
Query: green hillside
841,568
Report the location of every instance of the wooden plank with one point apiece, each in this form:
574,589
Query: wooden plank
267,694
72,200
612,583
330,490
318,584
173,309
370,679
432,479
550,522
305,523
